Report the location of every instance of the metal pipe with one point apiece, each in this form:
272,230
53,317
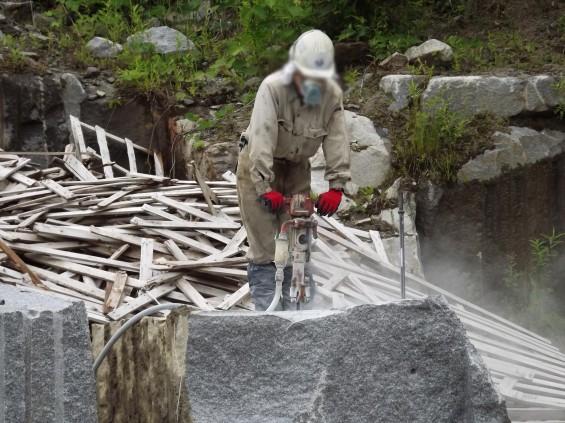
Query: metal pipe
401,230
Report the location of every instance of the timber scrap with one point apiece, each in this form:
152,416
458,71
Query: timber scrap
119,240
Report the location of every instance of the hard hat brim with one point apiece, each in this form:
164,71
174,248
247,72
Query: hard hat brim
316,73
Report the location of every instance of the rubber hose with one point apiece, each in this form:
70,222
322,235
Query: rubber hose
125,327
276,298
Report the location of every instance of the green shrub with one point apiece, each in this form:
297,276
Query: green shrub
430,145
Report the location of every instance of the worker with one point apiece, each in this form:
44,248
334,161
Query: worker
297,109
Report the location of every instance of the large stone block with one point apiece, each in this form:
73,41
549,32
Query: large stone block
370,155
521,146
406,361
501,96
45,359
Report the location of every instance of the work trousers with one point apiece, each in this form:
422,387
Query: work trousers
262,226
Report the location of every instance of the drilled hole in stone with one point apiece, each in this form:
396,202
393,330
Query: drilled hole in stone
413,371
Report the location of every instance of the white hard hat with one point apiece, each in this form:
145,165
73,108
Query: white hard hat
313,55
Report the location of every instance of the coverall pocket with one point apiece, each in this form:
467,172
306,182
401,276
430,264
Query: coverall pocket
285,141
313,138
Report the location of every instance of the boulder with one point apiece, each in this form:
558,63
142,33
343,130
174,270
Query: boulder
403,361
391,216
72,93
164,39
46,359
521,146
394,62
399,88
502,96
102,47
431,52
370,154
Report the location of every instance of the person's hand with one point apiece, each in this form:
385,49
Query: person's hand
328,202
273,200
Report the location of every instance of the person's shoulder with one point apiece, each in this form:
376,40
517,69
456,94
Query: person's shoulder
274,80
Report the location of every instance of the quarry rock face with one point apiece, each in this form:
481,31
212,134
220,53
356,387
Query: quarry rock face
398,362
407,361
45,359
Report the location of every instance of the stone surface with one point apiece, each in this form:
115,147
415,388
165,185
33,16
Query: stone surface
412,260
164,40
102,47
391,217
521,146
370,155
406,361
46,361
431,52
427,200
398,362
73,95
394,61
502,96
398,87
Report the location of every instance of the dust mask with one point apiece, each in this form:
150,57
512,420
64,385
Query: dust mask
311,92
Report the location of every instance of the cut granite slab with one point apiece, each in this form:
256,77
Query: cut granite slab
45,359
407,361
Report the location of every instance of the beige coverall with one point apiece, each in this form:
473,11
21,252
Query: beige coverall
282,135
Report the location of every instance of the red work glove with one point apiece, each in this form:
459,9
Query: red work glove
328,202
274,200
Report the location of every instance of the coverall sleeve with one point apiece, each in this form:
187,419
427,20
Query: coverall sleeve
336,151
263,134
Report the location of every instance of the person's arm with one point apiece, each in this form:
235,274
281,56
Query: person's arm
263,138
336,151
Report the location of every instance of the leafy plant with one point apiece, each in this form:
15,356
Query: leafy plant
530,288
430,145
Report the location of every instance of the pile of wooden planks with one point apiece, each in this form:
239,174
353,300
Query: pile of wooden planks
121,241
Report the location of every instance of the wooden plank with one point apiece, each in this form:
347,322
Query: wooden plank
60,190
141,301
131,156
69,283
86,270
14,258
84,258
185,208
379,246
107,201
115,298
146,262
237,240
30,220
198,246
78,137
233,299
158,161
78,169
6,172
208,194
123,237
115,138
193,264
183,225
104,152
23,179
183,284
